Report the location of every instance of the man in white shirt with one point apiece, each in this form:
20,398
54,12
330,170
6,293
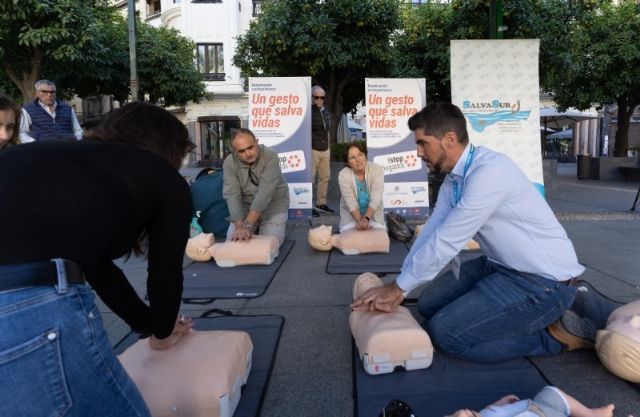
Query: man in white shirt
501,304
46,118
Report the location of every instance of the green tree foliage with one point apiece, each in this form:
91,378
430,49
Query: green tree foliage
34,33
422,46
83,46
337,42
601,63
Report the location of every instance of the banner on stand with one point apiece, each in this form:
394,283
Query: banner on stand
496,85
390,102
280,117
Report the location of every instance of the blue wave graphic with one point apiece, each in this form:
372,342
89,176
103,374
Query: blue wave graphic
479,121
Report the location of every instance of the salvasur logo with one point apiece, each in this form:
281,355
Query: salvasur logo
500,112
419,189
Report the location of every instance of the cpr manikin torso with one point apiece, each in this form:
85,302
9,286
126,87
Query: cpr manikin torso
618,345
201,376
350,242
388,340
259,250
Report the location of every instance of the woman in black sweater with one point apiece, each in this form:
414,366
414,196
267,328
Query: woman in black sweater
67,210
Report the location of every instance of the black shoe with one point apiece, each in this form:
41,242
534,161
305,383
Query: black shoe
324,208
573,332
315,213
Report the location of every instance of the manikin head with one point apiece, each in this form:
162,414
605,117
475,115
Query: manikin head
9,121
46,92
441,135
245,145
318,96
618,345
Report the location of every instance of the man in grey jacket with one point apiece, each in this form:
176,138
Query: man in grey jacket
257,195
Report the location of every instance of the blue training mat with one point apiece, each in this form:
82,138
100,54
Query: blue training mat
205,282
265,334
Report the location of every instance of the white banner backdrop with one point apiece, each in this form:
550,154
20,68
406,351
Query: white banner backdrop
496,85
280,117
390,103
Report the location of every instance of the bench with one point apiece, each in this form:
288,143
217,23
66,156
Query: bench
630,173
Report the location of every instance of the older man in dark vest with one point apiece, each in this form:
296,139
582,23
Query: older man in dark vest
46,118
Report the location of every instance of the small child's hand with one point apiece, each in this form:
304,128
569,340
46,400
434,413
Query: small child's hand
507,399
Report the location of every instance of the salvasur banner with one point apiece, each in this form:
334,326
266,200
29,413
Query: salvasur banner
390,103
280,117
496,84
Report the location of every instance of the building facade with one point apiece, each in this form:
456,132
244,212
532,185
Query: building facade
213,25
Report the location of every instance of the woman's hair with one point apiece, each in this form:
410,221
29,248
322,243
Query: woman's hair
358,145
149,127
7,103
146,126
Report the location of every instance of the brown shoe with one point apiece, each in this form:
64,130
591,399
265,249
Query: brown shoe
571,332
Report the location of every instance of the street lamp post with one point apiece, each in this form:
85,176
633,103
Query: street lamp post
133,77
496,29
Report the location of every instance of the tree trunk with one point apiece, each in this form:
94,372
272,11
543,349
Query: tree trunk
625,110
25,80
336,106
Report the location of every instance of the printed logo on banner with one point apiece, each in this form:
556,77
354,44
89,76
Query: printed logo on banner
399,162
406,194
292,161
300,196
484,114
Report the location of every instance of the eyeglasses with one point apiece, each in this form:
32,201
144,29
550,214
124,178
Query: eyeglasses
253,178
50,92
318,97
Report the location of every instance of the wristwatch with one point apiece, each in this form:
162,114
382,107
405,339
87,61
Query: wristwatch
247,224
367,217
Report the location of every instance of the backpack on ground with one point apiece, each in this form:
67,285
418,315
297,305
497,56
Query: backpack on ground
210,208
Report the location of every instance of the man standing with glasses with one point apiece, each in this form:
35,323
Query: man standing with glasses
46,118
257,194
320,127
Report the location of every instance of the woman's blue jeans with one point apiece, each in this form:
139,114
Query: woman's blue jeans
492,313
56,360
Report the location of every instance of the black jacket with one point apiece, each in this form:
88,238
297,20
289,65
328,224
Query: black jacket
320,129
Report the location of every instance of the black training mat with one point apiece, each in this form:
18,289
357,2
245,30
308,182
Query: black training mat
265,334
379,263
205,281
446,386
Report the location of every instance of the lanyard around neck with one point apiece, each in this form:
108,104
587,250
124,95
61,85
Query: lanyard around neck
457,191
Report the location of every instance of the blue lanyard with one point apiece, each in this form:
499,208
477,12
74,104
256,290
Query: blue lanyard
457,193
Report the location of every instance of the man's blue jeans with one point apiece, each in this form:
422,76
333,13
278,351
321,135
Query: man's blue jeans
56,360
492,313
